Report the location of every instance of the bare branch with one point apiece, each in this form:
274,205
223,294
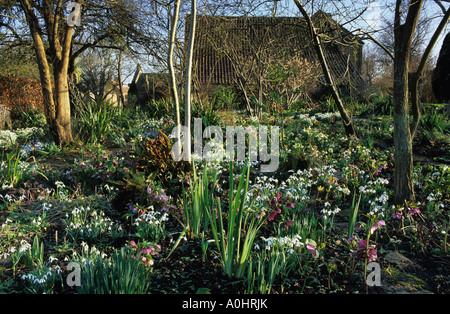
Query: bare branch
374,40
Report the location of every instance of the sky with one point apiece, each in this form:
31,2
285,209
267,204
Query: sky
376,14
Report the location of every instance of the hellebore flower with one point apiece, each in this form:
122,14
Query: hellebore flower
133,244
414,211
312,249
274,214
377,225
278,197
363,251
311,246
148,251
289,223
397,216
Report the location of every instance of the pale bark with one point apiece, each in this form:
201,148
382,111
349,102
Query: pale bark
173,80
188,78
120,79
56,99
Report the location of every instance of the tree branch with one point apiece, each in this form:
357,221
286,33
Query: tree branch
417,76
89,45
389,53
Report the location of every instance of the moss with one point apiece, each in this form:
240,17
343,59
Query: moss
396,280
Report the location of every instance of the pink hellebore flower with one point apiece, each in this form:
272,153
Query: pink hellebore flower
278,197
363,250
274,214
377,225
312,249
397,216
289,223
414,211
151,250
371,254
148,251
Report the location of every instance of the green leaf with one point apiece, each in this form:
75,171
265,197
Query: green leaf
203,291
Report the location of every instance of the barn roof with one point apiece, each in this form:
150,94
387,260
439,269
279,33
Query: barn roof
219,37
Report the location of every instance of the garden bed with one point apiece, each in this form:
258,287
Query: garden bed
92,205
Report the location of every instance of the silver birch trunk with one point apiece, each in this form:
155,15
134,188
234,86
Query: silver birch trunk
173,80
189,80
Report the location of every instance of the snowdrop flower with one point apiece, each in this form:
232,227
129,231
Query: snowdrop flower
51,259
60,185
430,197
24,246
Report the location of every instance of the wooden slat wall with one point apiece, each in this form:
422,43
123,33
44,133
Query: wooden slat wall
290,33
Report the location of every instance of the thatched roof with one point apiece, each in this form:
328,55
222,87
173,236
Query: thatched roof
220,40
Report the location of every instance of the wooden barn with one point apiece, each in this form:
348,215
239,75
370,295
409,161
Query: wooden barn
248,50
148,86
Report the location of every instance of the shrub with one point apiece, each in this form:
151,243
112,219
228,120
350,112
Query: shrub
158,109
225,99
382,105
154,158
29,119
433,119
95,121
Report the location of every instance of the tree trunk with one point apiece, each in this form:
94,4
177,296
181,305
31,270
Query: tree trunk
403,36
62,95
189,80
119,78
346,120
403,173
57,99
62,102
173,79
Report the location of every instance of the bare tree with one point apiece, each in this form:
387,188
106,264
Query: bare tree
345,117
417,76
290,76
405,25
173,80
97,74
58,42
188,78
55,63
